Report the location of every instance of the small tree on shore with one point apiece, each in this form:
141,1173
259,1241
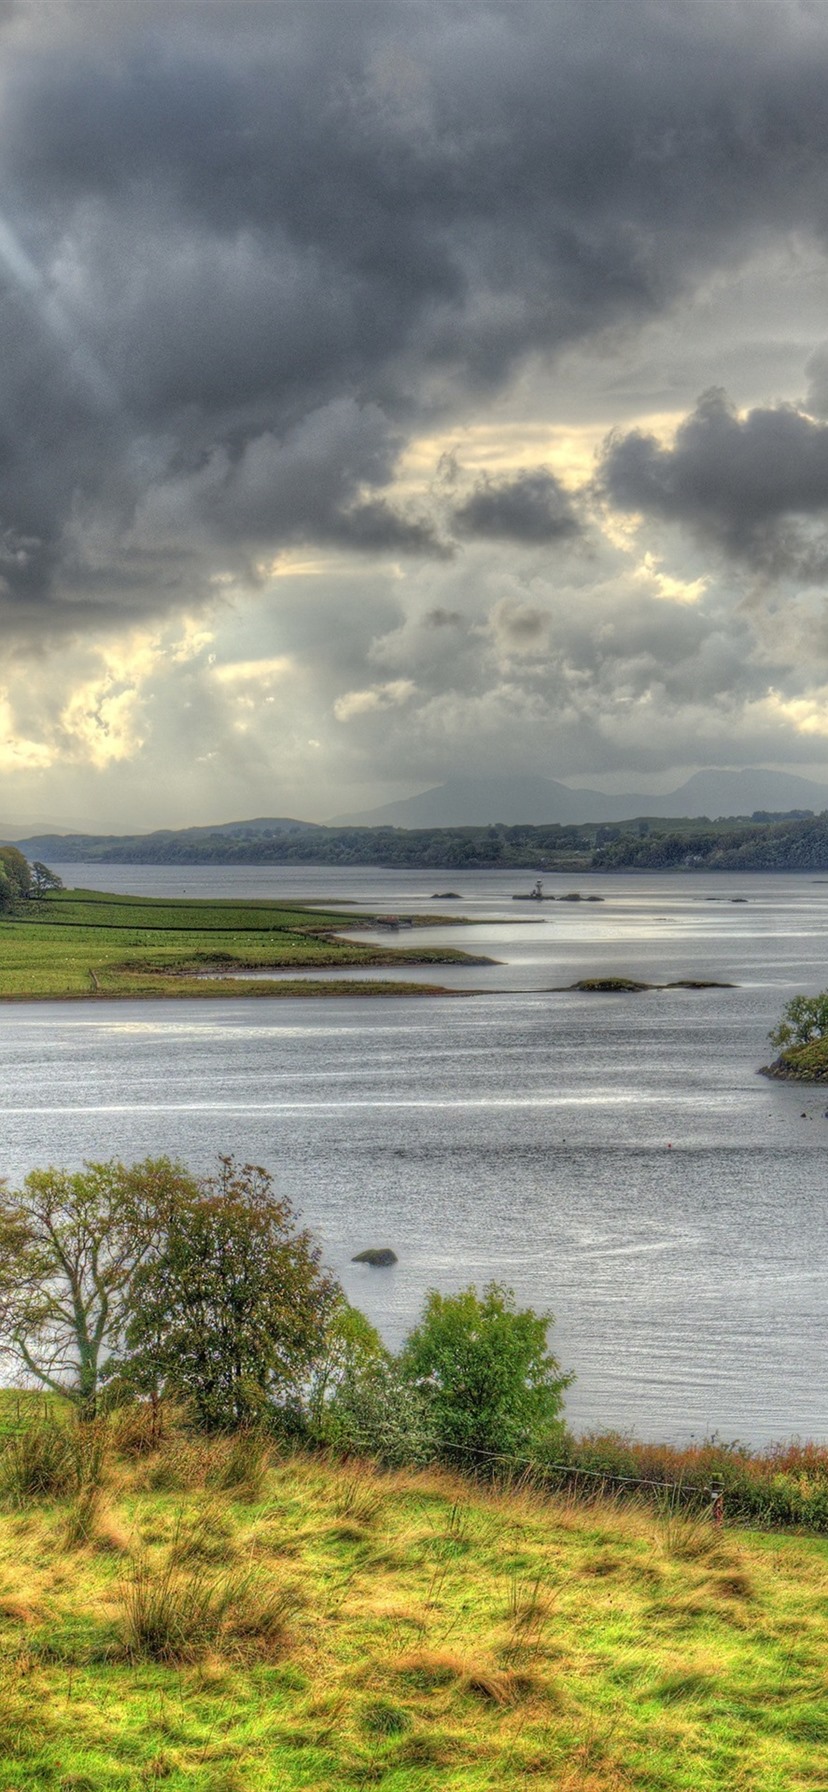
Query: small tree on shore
70,1246
44,880
493,1387
804,1019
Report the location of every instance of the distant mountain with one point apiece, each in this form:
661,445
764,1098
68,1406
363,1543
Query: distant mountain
476,802
251,830
12,831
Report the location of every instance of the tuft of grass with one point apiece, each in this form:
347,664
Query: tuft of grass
81,1518
36,1464
381,1717
139,1428
204,1536
359,1496
50,1460
179,1607
239,1465
170,1616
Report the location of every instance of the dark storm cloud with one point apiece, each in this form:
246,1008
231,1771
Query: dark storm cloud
532,508
224,221
751,484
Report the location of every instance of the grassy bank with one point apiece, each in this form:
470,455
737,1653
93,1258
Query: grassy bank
215,1619
86,943
801,1064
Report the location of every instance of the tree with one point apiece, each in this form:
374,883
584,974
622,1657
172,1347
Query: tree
493,1387
804,1019
70,1245
43,879
350,1348
230,1313
15,877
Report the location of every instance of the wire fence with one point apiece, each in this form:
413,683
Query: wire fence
20,1410
712,1493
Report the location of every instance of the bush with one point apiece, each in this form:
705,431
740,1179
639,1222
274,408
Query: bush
785,1485
376,1411
492,1388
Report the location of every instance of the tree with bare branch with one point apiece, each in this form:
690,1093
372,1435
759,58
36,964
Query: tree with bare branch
70,1246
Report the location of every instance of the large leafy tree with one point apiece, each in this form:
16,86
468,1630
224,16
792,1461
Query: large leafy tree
493,1387
15,877
231,1311
70,1247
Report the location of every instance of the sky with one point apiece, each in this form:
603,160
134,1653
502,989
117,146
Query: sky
394,389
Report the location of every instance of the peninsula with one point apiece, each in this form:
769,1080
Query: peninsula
88,944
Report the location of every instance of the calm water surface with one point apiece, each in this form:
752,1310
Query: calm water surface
615,1158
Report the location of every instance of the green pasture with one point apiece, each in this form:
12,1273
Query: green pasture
205,1622
86,943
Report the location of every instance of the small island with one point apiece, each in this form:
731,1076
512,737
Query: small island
801,1040
603,986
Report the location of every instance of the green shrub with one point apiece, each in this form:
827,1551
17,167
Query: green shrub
483,1364
376,1411
785,1485
804,1019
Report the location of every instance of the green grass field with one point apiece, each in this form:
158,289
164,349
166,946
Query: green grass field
213,1620
86,943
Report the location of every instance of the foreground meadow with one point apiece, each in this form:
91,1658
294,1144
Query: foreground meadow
87,943
214,1616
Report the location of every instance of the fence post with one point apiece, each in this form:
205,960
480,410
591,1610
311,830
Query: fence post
717,1504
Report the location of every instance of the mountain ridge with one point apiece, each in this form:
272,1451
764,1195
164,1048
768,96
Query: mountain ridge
535,800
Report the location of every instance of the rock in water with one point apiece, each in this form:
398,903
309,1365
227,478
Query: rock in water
378,1259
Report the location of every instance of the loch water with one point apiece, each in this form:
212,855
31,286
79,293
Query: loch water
614,1158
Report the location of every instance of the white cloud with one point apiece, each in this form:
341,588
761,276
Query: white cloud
379,697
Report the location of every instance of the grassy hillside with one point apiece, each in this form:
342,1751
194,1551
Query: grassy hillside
215,1620
86,943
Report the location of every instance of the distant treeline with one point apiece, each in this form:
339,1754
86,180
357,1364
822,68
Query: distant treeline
799,844
760,842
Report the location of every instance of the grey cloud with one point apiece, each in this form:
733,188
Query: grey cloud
243,216
532,508
303,486
377,526
754,485
440,618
